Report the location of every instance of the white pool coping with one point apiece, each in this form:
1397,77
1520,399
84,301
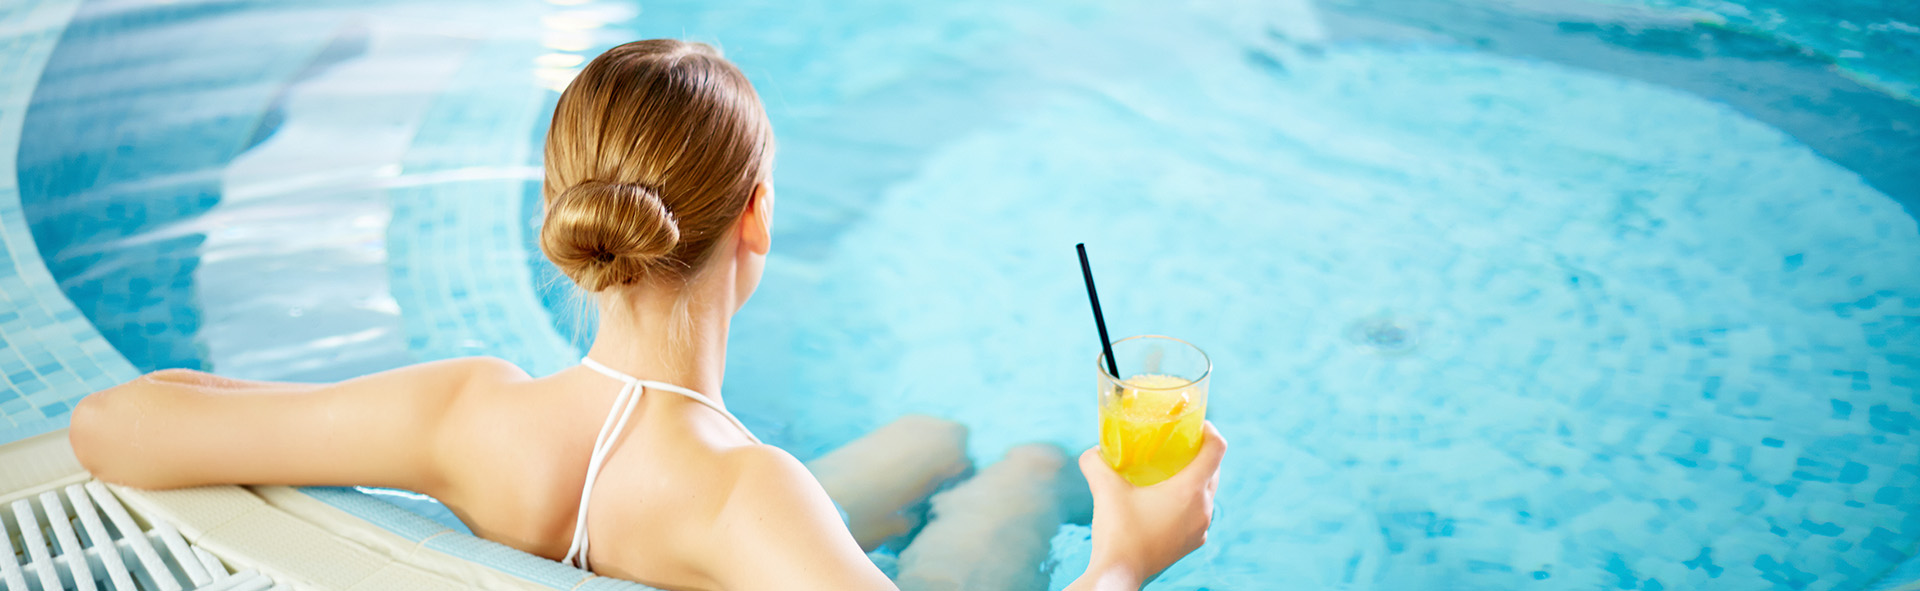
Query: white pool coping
279,531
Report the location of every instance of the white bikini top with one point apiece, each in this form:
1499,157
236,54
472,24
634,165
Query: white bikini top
610,430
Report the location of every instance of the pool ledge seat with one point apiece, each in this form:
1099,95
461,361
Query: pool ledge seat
307,539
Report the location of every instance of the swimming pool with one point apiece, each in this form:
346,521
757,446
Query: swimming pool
1653,262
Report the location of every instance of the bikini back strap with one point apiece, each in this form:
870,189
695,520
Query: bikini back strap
623,406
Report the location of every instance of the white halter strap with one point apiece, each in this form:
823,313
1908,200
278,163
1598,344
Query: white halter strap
623,406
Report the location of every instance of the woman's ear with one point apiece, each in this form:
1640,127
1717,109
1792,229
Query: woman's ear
756,224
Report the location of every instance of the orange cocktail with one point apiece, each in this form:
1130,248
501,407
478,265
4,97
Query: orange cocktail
1151,422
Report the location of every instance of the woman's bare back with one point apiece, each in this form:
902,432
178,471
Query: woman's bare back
516,452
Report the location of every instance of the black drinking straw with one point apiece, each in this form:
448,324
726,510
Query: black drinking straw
1106,344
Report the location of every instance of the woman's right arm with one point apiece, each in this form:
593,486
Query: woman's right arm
1139,531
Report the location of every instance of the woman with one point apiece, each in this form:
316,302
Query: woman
659,203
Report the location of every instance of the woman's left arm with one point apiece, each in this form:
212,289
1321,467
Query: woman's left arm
181,428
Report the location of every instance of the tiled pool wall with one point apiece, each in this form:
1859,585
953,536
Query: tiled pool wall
95,143
50,355
137,142
456,249
453,248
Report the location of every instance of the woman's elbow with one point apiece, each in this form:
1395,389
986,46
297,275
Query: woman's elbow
99,433
91,431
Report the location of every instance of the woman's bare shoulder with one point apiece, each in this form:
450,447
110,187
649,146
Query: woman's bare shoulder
482,370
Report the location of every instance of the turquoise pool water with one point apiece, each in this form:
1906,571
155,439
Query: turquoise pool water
1655,261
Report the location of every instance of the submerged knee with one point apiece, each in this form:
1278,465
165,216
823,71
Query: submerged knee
932,426
1046,457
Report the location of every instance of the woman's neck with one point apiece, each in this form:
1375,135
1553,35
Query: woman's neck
645,334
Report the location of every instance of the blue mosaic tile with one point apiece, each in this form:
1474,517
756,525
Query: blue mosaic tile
101,180
457,264
45,344
147,313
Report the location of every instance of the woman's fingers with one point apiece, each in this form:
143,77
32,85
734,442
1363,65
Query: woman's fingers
1099,475
1203,471
1206,466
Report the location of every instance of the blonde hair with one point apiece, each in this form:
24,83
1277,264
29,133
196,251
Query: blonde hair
653,154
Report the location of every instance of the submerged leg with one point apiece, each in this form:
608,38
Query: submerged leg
879,478
993,531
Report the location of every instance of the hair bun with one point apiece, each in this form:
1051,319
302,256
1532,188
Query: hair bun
603,234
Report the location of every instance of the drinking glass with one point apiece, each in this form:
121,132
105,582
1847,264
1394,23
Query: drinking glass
1151,420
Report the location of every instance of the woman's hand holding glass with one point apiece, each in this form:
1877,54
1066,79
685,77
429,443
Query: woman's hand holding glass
1139,531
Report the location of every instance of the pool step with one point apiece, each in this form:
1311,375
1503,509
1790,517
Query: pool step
85,540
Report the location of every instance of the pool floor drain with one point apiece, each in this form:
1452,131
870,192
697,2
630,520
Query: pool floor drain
1385,335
